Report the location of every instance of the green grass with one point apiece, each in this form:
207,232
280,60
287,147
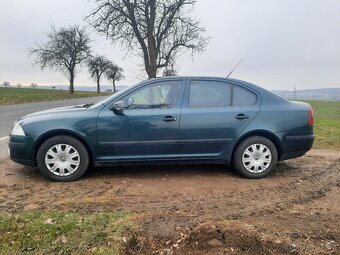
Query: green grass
28,95
62,232
326,123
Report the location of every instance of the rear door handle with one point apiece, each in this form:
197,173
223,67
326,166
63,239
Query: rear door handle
241,116
169,118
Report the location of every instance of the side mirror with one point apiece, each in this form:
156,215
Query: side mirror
119,106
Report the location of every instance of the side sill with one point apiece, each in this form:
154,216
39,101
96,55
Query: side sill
160,162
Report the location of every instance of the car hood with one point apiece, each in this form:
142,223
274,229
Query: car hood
60,110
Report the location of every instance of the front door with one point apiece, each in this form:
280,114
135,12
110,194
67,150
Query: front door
214,113
147,128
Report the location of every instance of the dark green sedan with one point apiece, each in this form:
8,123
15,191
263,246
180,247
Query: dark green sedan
192,120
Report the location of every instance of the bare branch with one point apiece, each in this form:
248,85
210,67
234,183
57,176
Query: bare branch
97,66
157,29
65,49
114,73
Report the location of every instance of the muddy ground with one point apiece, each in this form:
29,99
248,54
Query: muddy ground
196,209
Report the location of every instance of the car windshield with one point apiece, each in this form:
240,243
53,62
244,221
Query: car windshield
108,99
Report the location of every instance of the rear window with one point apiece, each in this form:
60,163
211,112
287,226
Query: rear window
243,97
204,94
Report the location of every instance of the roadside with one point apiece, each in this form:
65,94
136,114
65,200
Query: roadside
10,113
22,95
191,209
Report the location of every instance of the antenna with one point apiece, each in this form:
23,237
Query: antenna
235,67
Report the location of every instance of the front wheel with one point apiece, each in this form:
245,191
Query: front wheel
255,157
62,158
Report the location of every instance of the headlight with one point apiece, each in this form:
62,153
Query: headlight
17,130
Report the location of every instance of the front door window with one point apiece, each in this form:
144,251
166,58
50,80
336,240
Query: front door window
159,95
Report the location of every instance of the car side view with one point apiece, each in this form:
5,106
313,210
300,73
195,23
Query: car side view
167,120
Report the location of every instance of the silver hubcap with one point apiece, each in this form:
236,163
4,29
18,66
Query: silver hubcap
62,159
256,158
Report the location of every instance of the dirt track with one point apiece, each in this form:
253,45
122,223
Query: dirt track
201,209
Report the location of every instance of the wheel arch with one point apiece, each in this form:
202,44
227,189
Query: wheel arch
51,134
264,133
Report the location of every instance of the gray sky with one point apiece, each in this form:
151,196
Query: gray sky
285,44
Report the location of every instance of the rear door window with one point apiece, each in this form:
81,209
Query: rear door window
205,94
243,97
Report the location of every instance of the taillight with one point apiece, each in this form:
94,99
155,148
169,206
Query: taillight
310,116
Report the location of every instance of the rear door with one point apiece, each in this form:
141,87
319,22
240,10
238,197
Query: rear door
214,113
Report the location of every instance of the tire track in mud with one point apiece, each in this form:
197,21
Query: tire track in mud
307,180
257,201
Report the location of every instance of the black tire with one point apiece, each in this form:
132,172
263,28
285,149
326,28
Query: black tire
243,146
65,140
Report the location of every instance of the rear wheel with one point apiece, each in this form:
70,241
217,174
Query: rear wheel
62,158
255,157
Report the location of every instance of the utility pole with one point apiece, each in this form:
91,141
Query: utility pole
294,93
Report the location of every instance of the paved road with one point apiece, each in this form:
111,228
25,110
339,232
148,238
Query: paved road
10,113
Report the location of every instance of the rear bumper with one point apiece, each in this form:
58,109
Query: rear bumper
292,155
296,145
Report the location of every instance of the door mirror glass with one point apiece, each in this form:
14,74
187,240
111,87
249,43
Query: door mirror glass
119,106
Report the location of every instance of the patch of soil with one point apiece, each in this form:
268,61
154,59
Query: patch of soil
196,209
212,238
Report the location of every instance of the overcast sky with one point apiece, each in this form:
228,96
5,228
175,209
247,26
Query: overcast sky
285,44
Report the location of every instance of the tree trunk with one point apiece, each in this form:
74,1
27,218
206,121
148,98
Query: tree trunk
114,86
151,42
98,86
151,71
71,83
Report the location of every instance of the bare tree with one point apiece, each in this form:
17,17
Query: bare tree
97,66
65,49
170,71
114,73
33,85
7,84
157,29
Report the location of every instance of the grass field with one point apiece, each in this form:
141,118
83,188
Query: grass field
326,124
62,232
28,95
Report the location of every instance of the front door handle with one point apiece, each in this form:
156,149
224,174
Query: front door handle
241,116
169,118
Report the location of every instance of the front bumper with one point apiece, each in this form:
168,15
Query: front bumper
21,150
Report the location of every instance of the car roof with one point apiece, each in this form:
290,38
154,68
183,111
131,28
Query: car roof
241,82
